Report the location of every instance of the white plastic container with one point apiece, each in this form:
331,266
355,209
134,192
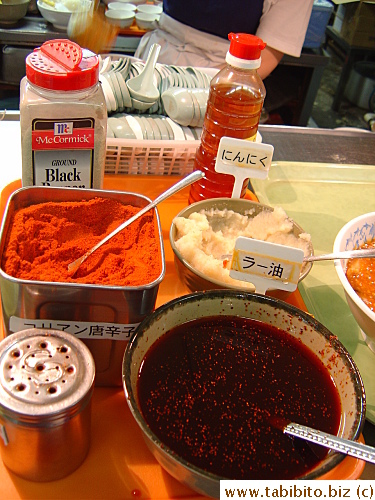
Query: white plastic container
63,118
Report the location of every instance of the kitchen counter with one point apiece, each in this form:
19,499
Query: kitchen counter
292,144
340,145
29,31
32,31
17,41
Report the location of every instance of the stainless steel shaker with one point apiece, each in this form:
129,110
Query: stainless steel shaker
46,384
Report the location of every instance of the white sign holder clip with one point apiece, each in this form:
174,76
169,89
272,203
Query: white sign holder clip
266,265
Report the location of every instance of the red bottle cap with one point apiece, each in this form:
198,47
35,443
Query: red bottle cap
60,65
245,46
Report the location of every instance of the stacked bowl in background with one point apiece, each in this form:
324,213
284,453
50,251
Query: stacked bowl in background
133,2
185,106
149,127
123,14
58,13
11,11
190,84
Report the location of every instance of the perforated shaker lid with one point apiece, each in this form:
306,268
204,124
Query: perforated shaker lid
244,50
45,375
62,65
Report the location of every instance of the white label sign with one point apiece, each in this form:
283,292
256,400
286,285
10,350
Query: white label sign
243,159
80,329
266,265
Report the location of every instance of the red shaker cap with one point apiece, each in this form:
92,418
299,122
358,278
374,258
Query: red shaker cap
245,46
61,65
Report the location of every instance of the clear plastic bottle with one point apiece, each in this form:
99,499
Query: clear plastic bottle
63,118
233,110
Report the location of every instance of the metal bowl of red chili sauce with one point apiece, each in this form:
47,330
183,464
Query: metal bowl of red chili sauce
208,377
45,229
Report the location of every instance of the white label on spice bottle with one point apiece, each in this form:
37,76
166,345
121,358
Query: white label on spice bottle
63,152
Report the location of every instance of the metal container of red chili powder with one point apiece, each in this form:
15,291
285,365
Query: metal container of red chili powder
46,384
103,316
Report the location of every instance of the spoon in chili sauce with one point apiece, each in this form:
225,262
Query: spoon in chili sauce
335,443
339,444
186,181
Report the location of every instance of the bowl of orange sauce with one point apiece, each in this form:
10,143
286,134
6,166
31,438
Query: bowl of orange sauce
357,276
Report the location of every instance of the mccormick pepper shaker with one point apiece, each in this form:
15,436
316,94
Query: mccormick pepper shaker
63,117
233,109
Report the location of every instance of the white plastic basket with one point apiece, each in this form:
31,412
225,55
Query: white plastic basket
143,157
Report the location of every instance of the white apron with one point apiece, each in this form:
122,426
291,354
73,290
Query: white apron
183,46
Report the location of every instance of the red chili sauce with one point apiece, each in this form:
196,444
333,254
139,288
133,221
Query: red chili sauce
361,276
210,388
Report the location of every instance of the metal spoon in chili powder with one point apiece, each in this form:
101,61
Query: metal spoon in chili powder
73,266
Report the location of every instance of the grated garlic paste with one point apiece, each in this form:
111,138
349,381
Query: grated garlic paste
206,236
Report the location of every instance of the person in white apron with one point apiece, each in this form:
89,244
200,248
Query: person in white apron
195,32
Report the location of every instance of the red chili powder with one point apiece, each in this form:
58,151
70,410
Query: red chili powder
45,238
